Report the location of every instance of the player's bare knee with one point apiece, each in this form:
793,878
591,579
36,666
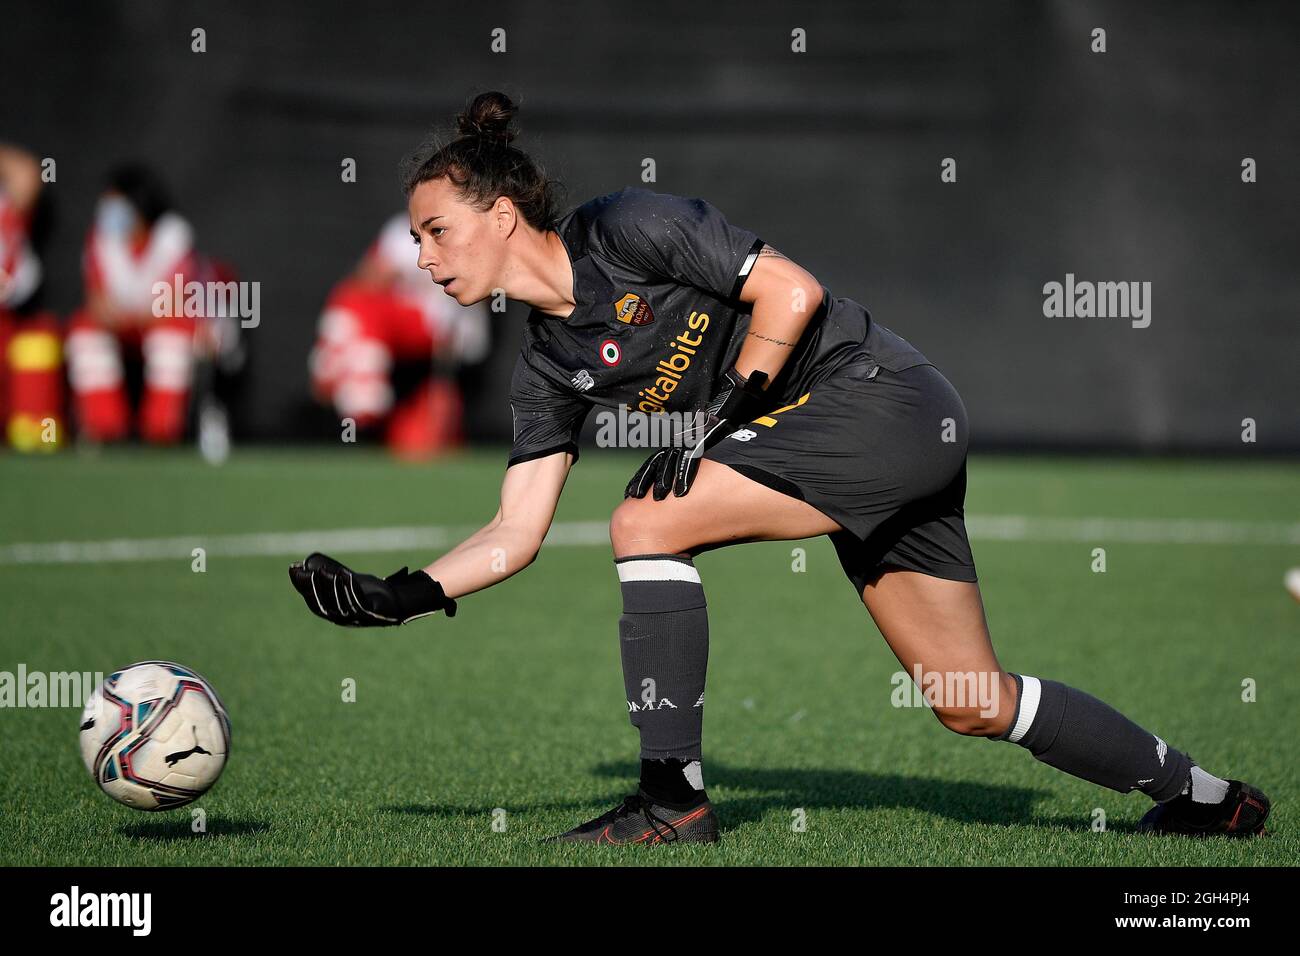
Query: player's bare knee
622,527
959,720
636,528
985,712
967,722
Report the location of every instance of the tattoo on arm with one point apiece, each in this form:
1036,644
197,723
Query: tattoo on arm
768,338
769,251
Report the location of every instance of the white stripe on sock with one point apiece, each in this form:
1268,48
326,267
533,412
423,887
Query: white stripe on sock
1031,691
662,570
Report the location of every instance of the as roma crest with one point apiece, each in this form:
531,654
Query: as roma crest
633,310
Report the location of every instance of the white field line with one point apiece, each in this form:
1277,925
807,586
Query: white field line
1131,530
297,544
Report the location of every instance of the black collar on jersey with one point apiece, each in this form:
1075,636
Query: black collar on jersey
590,283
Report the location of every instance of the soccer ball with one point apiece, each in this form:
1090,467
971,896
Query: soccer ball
155,736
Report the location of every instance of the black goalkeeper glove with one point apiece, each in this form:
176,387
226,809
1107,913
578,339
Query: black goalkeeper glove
351,599
673,469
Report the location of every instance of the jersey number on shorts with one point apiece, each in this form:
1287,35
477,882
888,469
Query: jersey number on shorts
769,421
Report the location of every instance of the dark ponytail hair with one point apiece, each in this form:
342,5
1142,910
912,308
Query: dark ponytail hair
143,189
482,164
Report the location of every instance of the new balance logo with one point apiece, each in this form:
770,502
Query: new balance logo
700,702
1161,750
583,381
743,434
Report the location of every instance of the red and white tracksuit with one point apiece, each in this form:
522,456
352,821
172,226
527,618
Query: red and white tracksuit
125,273
20,270
31,366
368,325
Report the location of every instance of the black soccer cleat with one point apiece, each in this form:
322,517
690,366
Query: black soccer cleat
638,819
1241,813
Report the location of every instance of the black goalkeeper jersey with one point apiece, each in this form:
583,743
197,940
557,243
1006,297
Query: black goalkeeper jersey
658,321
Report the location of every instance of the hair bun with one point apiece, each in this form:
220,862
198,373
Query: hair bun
488,118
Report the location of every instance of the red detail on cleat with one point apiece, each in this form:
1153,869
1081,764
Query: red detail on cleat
674,824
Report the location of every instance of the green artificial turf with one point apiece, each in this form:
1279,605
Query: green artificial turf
518,702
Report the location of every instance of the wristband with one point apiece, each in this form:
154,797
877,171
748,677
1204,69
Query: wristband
418,594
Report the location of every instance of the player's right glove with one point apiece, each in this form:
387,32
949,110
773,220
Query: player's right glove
672,470
352,599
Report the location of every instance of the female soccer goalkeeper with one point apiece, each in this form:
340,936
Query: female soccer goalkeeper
815,420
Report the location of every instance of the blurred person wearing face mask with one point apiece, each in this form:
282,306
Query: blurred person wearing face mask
137,240
383,328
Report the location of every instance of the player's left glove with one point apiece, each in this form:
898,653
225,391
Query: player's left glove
739,400
351,599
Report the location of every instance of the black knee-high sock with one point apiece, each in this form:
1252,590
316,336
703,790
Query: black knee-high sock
664,639
1077,733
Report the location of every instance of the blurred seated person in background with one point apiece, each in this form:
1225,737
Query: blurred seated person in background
31,374
137,239
388,345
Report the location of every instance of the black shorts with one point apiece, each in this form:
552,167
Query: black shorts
883,454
